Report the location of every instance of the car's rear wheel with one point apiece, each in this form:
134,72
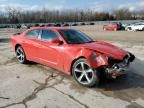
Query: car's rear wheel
20,55
84,74
115,29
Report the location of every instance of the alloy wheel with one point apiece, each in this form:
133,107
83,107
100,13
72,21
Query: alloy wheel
20,54
83,73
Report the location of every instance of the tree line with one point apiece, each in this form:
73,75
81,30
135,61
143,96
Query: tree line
18,15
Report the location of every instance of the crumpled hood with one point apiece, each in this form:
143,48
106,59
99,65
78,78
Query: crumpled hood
106,48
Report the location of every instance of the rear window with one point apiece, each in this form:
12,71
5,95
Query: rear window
33,34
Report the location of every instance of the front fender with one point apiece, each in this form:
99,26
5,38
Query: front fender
74,55
95,59
98,61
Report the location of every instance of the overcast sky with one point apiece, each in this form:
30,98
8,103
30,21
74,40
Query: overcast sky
98,5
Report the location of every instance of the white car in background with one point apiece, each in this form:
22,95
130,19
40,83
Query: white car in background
23,26
135,27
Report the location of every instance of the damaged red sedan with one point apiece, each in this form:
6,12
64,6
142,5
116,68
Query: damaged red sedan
71,52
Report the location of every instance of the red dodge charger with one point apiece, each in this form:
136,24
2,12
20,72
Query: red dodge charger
71,52
113,26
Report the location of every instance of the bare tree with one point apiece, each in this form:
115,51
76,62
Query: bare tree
19,15
123,14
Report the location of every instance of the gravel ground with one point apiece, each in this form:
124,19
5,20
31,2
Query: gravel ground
36,86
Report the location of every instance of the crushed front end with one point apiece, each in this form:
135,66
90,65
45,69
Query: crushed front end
112,67
116,67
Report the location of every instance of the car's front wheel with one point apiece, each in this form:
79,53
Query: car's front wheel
20,55
129,29
104,29
84,74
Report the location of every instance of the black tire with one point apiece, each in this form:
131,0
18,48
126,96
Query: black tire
129,28
91,74
20,55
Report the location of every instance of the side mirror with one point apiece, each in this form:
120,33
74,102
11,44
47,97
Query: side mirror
57,41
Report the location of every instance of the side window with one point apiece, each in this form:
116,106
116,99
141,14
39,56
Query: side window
33,34
48,35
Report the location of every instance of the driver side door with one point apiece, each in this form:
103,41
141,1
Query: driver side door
49,53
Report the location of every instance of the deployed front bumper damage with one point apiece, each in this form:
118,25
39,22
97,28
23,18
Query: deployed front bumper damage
121,67
112,67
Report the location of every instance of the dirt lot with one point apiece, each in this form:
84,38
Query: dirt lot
37,86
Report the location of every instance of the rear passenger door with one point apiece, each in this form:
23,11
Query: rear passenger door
31,44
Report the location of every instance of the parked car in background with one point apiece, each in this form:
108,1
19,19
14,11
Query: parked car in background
83,23
36,25
135,27
91,23
23,26
113,27
71,52
57,25
65,25
29,26
42,25
3,26
18,26
50,25
75,24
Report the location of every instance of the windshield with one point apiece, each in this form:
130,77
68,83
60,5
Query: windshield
75,37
